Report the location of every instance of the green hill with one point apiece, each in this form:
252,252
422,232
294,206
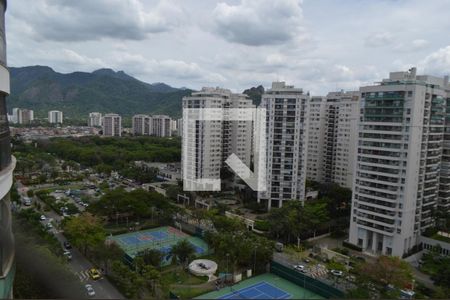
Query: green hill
77,94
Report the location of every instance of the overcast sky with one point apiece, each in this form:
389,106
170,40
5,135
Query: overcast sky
319,45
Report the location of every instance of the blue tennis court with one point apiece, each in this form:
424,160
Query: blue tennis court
262,290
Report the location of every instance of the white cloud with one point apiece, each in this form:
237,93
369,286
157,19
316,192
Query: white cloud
437,63
260,22
379,39
68,20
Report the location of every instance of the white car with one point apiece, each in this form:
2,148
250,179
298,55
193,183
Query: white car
68,254
49,226
90,290
43,218
300,268
336,272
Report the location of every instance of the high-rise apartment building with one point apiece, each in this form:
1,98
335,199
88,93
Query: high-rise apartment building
180,127
112,125
332,137
95,119
399,161
287,141
212,142
142,125
7,164
173,126
342,112
316,139
55,117
444,182
161,126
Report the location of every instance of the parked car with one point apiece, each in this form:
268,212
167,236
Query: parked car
27,202
49,225
68,254
300,268
90,290
306,260
94,274
42,218
67,245
337,272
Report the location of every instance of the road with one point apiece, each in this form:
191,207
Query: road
79,265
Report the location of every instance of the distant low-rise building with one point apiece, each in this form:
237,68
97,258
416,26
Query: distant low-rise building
22,116
141,125
161,126
95,119
55,117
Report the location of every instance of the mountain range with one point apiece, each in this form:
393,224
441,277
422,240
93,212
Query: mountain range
77,94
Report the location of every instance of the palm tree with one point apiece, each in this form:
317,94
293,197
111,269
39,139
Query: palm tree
182,251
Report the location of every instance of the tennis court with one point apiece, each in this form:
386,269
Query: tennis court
261,290
161,238
265,286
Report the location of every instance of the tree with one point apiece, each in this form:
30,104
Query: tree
183,251
129,282
386,270
152,277
106,253
84,231
151,257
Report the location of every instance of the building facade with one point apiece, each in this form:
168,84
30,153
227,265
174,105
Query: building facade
55,117
398,161
7,164
287,142
161,126
332,138
180,127
95,119
142,125
22,116
316,141
212,142
112,125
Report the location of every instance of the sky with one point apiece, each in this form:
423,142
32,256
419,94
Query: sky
318,45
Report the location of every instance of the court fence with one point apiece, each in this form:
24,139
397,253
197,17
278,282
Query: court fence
309,283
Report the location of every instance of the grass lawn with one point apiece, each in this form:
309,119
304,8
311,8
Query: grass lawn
180,276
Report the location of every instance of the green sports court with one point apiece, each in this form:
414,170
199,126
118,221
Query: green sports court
161,238
266,286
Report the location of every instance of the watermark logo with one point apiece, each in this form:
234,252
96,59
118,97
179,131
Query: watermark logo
205,130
